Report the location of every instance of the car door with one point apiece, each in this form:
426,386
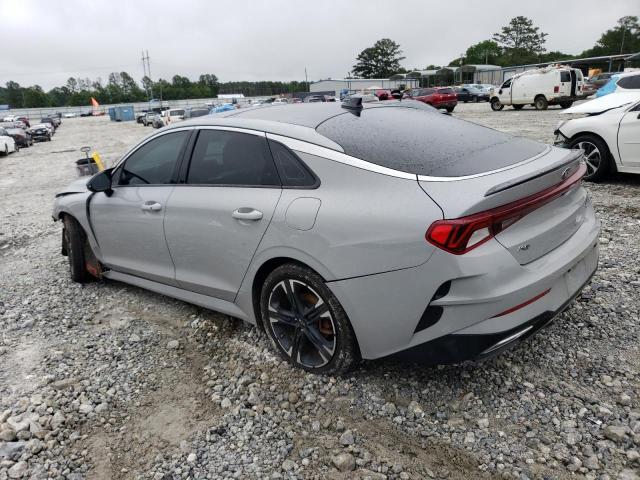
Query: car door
128,224
504,92
629,138
216,218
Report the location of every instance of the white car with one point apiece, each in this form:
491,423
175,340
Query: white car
621,82
280,101
7,143
552,85
608,133
9,118
70,115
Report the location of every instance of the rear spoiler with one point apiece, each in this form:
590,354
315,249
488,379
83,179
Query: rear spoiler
563,163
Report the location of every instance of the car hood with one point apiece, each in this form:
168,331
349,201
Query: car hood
604,104
77,186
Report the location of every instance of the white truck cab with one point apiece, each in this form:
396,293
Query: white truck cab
553,85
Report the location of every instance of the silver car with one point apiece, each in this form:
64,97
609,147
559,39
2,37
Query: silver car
345,232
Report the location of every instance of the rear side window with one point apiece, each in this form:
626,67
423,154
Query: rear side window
222,157
154,163
565,76
630,82
293,172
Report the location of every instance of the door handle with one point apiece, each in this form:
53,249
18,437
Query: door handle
151,207
246,213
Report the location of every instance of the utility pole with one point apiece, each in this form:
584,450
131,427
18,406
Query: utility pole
306,80
146,67
624,30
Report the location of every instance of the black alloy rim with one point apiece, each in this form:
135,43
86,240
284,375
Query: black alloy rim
302,323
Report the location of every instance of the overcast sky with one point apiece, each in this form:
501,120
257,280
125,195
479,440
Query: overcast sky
266,40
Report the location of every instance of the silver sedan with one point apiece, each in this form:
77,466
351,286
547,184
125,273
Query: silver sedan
345,232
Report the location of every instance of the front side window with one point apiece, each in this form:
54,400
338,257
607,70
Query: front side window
506,84
223,157
154,163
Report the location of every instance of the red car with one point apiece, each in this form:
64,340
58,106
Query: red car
437,97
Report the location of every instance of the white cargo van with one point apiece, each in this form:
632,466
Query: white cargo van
553,85
172,115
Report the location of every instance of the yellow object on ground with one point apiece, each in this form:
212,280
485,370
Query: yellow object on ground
98,160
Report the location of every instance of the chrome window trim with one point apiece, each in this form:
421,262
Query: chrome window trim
311,149
304,147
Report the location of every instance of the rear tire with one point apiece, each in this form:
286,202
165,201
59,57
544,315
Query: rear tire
74,240
564,105
6,151
596,156
541,102
450,109
518,107
496,106
305,322
475,99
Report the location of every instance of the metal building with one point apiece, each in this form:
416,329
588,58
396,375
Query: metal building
359,84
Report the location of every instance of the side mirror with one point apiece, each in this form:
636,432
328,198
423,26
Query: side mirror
500,91
101,182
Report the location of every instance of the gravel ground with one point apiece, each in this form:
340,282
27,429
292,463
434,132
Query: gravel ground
108,381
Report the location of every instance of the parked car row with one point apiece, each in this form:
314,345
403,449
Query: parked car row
17,132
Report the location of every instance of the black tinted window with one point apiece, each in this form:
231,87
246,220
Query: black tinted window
506,84
565,76
630,82
231,158
154,162
293,172
424,142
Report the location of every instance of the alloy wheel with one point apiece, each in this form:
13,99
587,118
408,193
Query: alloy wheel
592,156
302,323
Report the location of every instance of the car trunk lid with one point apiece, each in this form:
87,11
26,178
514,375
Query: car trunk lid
544,190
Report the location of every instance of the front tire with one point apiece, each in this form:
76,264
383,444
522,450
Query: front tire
496,106
74,240
596,156
305,322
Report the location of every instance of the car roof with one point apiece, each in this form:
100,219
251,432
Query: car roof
296,121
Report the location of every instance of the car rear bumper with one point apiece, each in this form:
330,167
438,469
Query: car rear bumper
446,104
461,346
393,312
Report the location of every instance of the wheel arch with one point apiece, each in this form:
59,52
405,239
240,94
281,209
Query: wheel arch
261,275
613,158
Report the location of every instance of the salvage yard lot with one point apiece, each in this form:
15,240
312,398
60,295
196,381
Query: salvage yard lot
111,381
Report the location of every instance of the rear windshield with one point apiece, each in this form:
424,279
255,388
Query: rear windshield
425,142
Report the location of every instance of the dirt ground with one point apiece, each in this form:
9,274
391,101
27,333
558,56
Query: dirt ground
155,411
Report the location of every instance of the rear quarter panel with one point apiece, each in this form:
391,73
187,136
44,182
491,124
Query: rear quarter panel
367,222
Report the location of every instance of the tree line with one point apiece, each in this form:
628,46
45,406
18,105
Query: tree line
519,42
121,87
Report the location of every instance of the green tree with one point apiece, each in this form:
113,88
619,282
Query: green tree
35,97
623,38
14,94
485,52
521,41
380,61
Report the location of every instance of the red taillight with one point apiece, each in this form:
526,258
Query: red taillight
556,89
460,235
